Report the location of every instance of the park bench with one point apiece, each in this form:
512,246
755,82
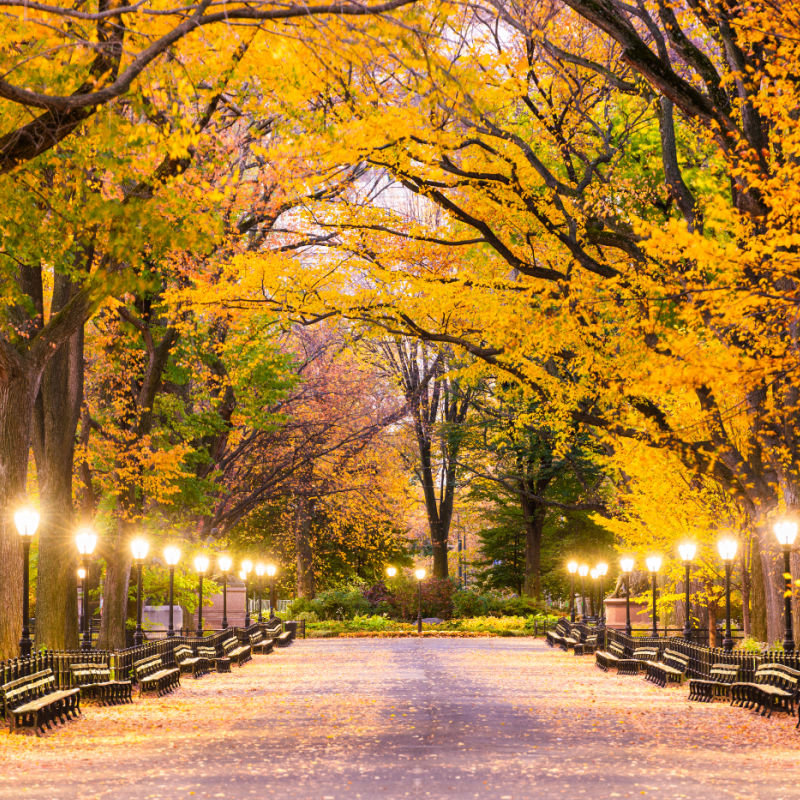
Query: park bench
573,638
643,656
586,647
209,653
236,651
273,627
284,639
718,683
671,669
260,643
153,676
615,656
34,701
558,634
775,686
94,681
188,662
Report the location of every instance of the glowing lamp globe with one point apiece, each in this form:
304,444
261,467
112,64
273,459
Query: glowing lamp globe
687,551
572,567
139,548
172,555
247,566
271,570
626,564
225,563
86,541
201,563
260,569
602,568
727,547
27,521
583,570
653,563
786,532
391,571
419,574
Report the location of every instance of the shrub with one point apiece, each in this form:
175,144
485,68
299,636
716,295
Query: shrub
470,604
333,604
437,597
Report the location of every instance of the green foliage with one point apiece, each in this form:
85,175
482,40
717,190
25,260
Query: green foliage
333,604
155,588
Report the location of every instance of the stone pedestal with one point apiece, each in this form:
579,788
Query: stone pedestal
156,618
212,615
615,614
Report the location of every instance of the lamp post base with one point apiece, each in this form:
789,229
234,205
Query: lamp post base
788,645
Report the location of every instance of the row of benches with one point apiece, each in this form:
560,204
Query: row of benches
775,687
34,701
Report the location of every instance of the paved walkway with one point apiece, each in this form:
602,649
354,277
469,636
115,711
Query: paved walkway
502,719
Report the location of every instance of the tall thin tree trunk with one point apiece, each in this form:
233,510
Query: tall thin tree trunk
534,517
758,612
17,392
115,591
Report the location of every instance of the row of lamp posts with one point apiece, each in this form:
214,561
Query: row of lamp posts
785,532
27,523
419,574
597,574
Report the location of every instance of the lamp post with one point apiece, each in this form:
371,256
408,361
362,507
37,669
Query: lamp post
86,541
172,555
271,570
139,548
727,551
687,552
602,570
626,564
583,571
593,576
653,566
27,521
786,532
81,576
572,568
391,571
247,568
201,565
260,571
225,564
419,574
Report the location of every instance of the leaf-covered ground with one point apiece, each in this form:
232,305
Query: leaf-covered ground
438,718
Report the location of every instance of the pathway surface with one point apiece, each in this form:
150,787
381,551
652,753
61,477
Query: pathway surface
505,719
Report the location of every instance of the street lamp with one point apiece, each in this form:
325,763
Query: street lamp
27,521
172,555
602,570
626,565
653,566
583,571
247,568
572,568
419,574
271,570
391,571
687,552
86,541
260,571
225,564
139,548
201,565
727,551
786,531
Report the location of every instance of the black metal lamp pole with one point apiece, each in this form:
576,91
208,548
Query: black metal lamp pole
171,628
138,635
572,597
200,606
419,605
86,641
628,628
260,597
246,606
583,599
655,611
788,636
25,643
727,642
272,598
224,600
602,604
687,625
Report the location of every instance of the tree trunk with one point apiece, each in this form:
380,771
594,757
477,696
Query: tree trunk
758,612
745,564
304,517
773,582
439,536
57,412
534,516
115,591
17,392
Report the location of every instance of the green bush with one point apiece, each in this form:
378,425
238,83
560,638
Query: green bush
470,604
333,604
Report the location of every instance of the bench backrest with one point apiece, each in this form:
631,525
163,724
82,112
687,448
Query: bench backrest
576,633
725,673
562,626
616,649
649,653
206,651
183,652
592,639
86,674
31,687
778,675
256,638
147,666
676,660
230,644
